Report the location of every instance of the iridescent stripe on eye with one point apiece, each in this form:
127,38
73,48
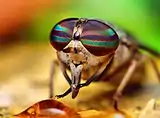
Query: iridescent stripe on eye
60,28
60,39
90,33
105,44
61,34
98,37
110,32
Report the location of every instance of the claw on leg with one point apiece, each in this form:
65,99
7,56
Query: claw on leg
115,105
64,94
59,96
116,98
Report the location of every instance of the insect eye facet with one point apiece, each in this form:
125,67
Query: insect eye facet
62,32
99,38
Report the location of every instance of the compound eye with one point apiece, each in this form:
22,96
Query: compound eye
99,38
61,33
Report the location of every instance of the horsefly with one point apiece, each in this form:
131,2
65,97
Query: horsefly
93,50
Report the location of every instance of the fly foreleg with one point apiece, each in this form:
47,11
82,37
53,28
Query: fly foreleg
64,94
63,69
96,75
51,78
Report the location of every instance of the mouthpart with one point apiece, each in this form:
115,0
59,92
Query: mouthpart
75,91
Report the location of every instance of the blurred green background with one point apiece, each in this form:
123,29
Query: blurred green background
33,21
140,17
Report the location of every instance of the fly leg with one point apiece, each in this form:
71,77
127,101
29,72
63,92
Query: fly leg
95,76
63,69
64,94
124,82
105,76
134,48
51,78
151,51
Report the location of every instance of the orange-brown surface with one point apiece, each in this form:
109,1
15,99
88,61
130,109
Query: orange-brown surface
25,69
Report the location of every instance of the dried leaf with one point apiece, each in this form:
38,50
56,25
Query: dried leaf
111,113
117,114
48,109
150,110
92,114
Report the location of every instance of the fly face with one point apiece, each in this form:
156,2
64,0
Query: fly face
82,44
